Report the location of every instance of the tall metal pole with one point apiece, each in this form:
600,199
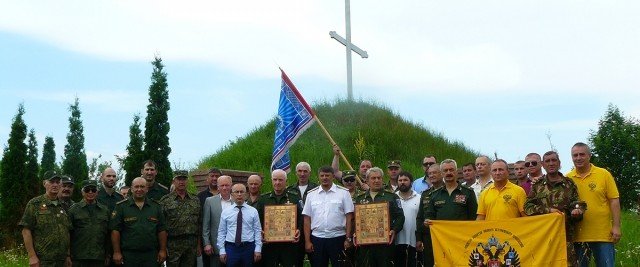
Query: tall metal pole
347,18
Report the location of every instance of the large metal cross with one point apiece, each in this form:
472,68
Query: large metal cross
349,47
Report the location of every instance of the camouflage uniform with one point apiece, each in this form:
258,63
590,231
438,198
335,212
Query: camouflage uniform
66,204
50,228
184,226
139,230
108,200
380,254
90,237
157,191
561,195
422,232
280,253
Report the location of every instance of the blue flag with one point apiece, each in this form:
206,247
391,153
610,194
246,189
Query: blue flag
294,117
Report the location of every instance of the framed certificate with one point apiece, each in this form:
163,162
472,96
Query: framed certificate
372,223
280,223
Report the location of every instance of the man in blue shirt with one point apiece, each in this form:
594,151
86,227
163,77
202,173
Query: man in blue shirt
422,184
240,233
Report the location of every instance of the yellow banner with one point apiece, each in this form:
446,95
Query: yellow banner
529,241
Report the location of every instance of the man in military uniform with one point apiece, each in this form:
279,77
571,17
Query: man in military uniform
156,190
138,229
107,194
45,227
66,191
556,193
349,182
423,237
182,212
302,187
124,191
90,241
283,253
393,169
381,254
254,182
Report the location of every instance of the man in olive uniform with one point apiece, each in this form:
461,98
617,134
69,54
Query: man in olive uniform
556,193
66,191
107,194
254,182
138,229
423,237
284,253
156,190
393,169
380,254
182,212
45,227
349,182
302,187
90,235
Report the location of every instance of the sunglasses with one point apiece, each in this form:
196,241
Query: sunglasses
349,180
89,189
427,164
531,163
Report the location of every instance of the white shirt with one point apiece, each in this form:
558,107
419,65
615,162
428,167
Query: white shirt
251,228
328,210
477,188
410,208
302,189
226,203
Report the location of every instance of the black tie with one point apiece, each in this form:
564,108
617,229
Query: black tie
239,226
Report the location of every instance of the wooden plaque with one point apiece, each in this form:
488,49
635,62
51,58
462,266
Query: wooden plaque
280,223
372,223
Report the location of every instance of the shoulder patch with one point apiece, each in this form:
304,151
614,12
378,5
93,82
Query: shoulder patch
122,201
314,189
341,187
293,192
162,186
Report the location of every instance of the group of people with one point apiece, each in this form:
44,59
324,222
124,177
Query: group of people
223,224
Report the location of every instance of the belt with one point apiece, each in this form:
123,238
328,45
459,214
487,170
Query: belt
242,244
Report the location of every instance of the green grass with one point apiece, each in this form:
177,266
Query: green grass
14,257
382,135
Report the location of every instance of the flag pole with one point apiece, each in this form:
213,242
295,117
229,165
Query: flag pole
334,143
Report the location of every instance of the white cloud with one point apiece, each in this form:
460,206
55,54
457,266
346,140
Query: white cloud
106,100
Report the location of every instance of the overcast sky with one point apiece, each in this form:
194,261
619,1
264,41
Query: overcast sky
499,76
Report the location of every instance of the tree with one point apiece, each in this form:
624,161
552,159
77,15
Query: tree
48,161
75,158
135,156
616,146
156,133
13,166
31,172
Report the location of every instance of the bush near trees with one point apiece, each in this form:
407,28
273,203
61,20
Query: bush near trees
616,146
156,133
75,158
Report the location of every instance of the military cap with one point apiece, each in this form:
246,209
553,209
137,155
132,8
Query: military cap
52,175
215,170
350,174
87,183
394,163
65,179
180,174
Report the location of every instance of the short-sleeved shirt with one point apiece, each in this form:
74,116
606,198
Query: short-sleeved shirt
182,215
90,237
460,205
138,228
596,188
420,185
502,204
328,210
410,209
49,225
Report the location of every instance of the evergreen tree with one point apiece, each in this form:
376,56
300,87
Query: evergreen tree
31,174
48,161
156,133
13,166
135,155
616,147
75,158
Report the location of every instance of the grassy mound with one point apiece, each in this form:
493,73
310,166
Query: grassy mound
363,130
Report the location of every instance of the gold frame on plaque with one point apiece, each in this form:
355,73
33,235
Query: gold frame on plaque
280,223
372,223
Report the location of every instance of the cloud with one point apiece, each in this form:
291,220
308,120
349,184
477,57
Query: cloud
105,100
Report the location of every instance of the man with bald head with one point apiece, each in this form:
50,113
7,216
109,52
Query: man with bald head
212,209
254,182
138,229
502,199
283,253
107,194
